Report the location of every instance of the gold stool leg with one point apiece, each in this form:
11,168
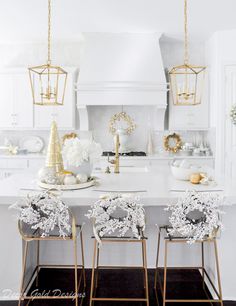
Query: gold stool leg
143,259
37,259
203,265
96,278
218,271
82,257
76,272
23,272
165,272
157,258
145,269
93,268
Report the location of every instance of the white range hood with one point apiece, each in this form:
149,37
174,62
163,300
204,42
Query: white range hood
121,69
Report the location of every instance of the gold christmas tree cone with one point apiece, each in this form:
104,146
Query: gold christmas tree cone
54,157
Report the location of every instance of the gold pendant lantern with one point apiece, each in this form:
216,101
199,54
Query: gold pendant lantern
48,82
187,81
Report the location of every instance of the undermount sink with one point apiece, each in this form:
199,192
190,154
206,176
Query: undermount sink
130,180
131,169
127,169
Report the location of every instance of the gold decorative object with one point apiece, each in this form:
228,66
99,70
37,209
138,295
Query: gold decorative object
54,157
107,171
195,178
116,161
69,136
48,82
119,117
177,143
187,80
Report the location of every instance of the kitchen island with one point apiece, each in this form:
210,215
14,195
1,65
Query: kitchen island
155,189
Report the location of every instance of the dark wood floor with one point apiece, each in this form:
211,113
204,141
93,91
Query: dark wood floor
122,283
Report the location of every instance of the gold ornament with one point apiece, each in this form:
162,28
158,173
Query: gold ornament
195,178
119,117
177,143
54,157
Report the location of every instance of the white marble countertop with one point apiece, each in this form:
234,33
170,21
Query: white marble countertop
155,189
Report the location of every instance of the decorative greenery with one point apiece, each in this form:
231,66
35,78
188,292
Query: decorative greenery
105,222
205,205
122,117
233,114
177,143
44,212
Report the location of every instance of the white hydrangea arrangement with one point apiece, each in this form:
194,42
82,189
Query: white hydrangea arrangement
75,151
103,214
233,114
205,204
44,212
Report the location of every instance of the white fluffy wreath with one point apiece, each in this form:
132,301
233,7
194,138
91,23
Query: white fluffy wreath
205,203
233,114
45,212
103,210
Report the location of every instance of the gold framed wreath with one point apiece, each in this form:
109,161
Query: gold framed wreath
123,116
174,148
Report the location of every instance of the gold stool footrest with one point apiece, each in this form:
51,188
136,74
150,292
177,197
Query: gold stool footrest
168,239
96,267
25,289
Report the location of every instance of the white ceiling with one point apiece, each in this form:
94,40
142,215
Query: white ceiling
25,20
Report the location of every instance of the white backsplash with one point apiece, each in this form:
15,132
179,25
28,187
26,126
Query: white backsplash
99,120
99,117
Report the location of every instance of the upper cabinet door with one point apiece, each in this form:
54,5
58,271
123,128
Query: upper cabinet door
194,117
188,117
230,128
64,115
16,109
6,101
23,103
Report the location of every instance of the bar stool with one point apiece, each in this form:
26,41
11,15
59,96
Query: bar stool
35,236
96,267
169,239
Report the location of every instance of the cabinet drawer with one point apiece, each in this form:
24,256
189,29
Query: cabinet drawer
36,164
8,163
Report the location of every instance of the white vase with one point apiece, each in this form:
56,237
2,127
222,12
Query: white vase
124,141
150,149
85,168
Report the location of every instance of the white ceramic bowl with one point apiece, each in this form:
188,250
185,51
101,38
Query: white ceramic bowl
182,174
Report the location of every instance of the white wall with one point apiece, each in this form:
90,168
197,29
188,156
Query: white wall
221,52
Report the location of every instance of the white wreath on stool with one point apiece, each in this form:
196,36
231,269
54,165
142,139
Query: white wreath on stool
196,230
103,222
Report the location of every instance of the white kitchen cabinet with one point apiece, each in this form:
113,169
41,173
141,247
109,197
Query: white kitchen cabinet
64,115
16,103
20,163
230,128
16,109
23,106
190,117
6,101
